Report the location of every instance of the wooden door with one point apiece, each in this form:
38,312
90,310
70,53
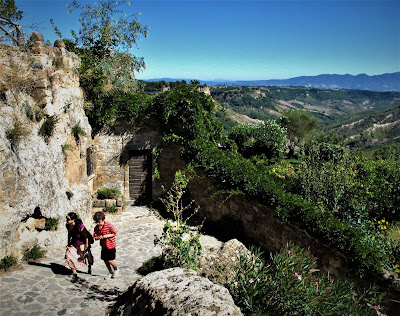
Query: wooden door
140,168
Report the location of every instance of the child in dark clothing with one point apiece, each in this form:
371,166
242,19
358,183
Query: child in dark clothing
78,249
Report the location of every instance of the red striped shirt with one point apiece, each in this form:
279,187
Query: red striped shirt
109,243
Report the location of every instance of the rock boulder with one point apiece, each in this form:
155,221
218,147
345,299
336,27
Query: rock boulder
176,291
218,259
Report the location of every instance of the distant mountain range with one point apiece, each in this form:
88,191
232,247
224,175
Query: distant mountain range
384,82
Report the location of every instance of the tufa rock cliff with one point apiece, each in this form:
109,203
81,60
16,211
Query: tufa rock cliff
42,160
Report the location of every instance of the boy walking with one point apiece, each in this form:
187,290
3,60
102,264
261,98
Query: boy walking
105,232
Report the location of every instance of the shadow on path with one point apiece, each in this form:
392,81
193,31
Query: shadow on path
55,267
95,291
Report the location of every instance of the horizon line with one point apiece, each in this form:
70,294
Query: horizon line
324,74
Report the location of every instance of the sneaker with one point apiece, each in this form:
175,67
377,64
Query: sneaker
73,277
108,276
115,274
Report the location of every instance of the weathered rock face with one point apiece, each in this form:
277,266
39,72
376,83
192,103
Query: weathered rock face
37,88
218,259
177,291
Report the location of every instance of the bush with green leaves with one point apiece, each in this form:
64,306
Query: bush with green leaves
232,171
66,147
110,209
288,284
7,262
151,265
266,137
106,108
77,131
108,193
298,124
181,244
326,176
34,253
187,112
48,126
51,224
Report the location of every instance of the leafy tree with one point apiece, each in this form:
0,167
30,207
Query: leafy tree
109,33
101,29
188,113
298,124
107,69
127,106
9,11
9,15
266,137
103,42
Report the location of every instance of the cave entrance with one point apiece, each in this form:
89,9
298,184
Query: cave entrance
140,175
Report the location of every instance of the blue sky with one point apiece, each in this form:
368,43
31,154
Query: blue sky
254,39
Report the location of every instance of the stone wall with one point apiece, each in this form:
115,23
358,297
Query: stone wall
235,216
112,152
259,224
168,163
36,171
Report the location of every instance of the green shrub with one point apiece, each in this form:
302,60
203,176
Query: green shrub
181,245
110,209
48,126
108,107
39,114
108,193
290,285
77,131
7,262
231,170
186,112
266,137
36,252
51,224
151,265
66,147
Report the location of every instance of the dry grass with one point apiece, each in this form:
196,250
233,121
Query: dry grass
16,78
17,132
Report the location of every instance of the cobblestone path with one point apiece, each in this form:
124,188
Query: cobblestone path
44,288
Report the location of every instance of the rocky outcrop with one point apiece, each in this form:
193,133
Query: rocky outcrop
42,164
218,259
177,291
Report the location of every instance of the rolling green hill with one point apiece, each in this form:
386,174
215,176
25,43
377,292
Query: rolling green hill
326,104
367,119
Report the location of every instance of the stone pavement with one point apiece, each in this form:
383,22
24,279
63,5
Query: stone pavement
44,288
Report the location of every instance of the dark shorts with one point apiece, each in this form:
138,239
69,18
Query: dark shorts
108,254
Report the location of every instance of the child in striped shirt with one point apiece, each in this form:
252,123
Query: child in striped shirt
105,232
